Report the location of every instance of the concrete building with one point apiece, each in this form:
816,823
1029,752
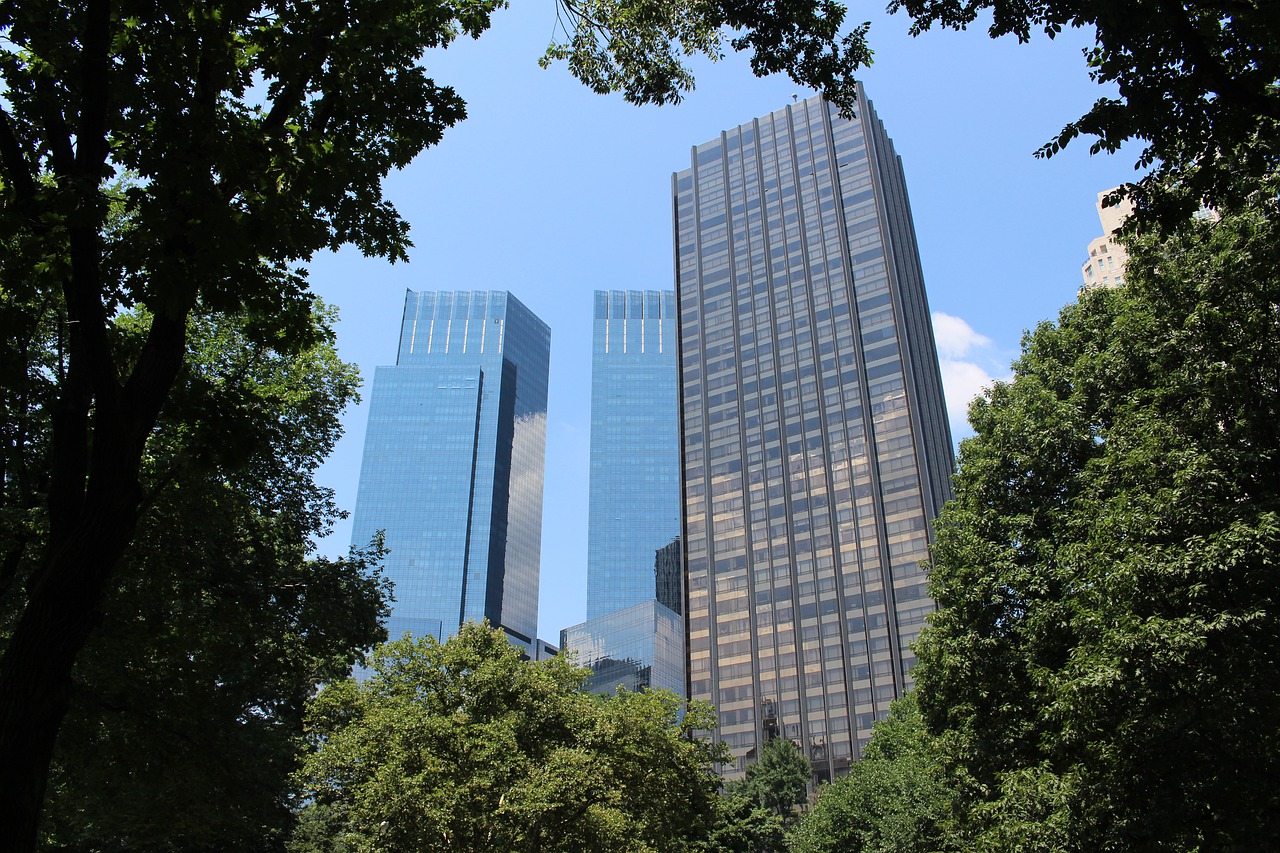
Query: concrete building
1105,267
815,443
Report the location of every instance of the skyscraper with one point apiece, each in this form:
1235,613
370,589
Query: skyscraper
634,633
453,464
815,443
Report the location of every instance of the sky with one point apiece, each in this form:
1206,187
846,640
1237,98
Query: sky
552,192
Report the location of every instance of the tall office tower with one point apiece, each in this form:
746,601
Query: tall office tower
634,633
1105,267
816,448
453,464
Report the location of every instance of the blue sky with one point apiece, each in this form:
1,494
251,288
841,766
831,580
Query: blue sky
552,192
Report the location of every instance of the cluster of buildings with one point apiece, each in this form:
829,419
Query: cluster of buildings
769,445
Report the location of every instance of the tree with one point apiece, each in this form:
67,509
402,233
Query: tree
778,779
187,702
461,745
1199,82
253,134
1103,670
752,814
741,825
894,800
637,47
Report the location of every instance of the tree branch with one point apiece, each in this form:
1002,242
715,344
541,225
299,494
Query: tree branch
1208,64
91,132
21,172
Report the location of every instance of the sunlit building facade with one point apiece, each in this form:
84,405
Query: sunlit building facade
634,633
1107,258
815,443
453,464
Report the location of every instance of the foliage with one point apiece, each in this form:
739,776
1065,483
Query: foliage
778,779
187,702
752,814
461,745
638,47
1102,670
894,800
1199,81
248,136
741,825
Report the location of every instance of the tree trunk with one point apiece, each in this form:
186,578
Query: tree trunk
94,500
35,674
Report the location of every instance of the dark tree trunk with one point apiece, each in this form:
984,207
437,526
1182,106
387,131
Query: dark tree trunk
35,675
94,501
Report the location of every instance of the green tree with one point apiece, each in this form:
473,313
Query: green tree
894,800
1198,82
752,814
187,701
1103,670
778,779
741,825
461,745
638,48
256,133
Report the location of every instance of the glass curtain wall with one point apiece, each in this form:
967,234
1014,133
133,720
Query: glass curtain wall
453,464
816,448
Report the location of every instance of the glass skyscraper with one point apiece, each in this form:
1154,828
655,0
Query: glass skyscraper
453,464
816,449
634,633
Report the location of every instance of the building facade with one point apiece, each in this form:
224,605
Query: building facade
1107,258
634,633
453,464
815,443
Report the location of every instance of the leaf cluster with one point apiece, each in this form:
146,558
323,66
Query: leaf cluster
1198,82
463,745
638,47
1102,669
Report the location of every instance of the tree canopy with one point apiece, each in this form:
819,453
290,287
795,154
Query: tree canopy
1102,671
778,779
638,48
1198,83
894,800
462,745
187,702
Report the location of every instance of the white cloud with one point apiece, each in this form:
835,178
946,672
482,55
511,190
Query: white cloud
961,382
966,358
955,337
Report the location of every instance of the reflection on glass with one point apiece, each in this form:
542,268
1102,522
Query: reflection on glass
803,309
634,551
453,464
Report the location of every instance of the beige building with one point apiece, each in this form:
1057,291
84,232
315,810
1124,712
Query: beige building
1105,267
816,451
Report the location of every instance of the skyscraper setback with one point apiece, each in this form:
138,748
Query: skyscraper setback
815,445
453,464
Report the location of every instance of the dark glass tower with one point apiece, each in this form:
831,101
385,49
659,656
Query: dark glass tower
816,448
453,464
634,633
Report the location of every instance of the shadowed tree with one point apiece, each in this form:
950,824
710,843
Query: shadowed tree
187,702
